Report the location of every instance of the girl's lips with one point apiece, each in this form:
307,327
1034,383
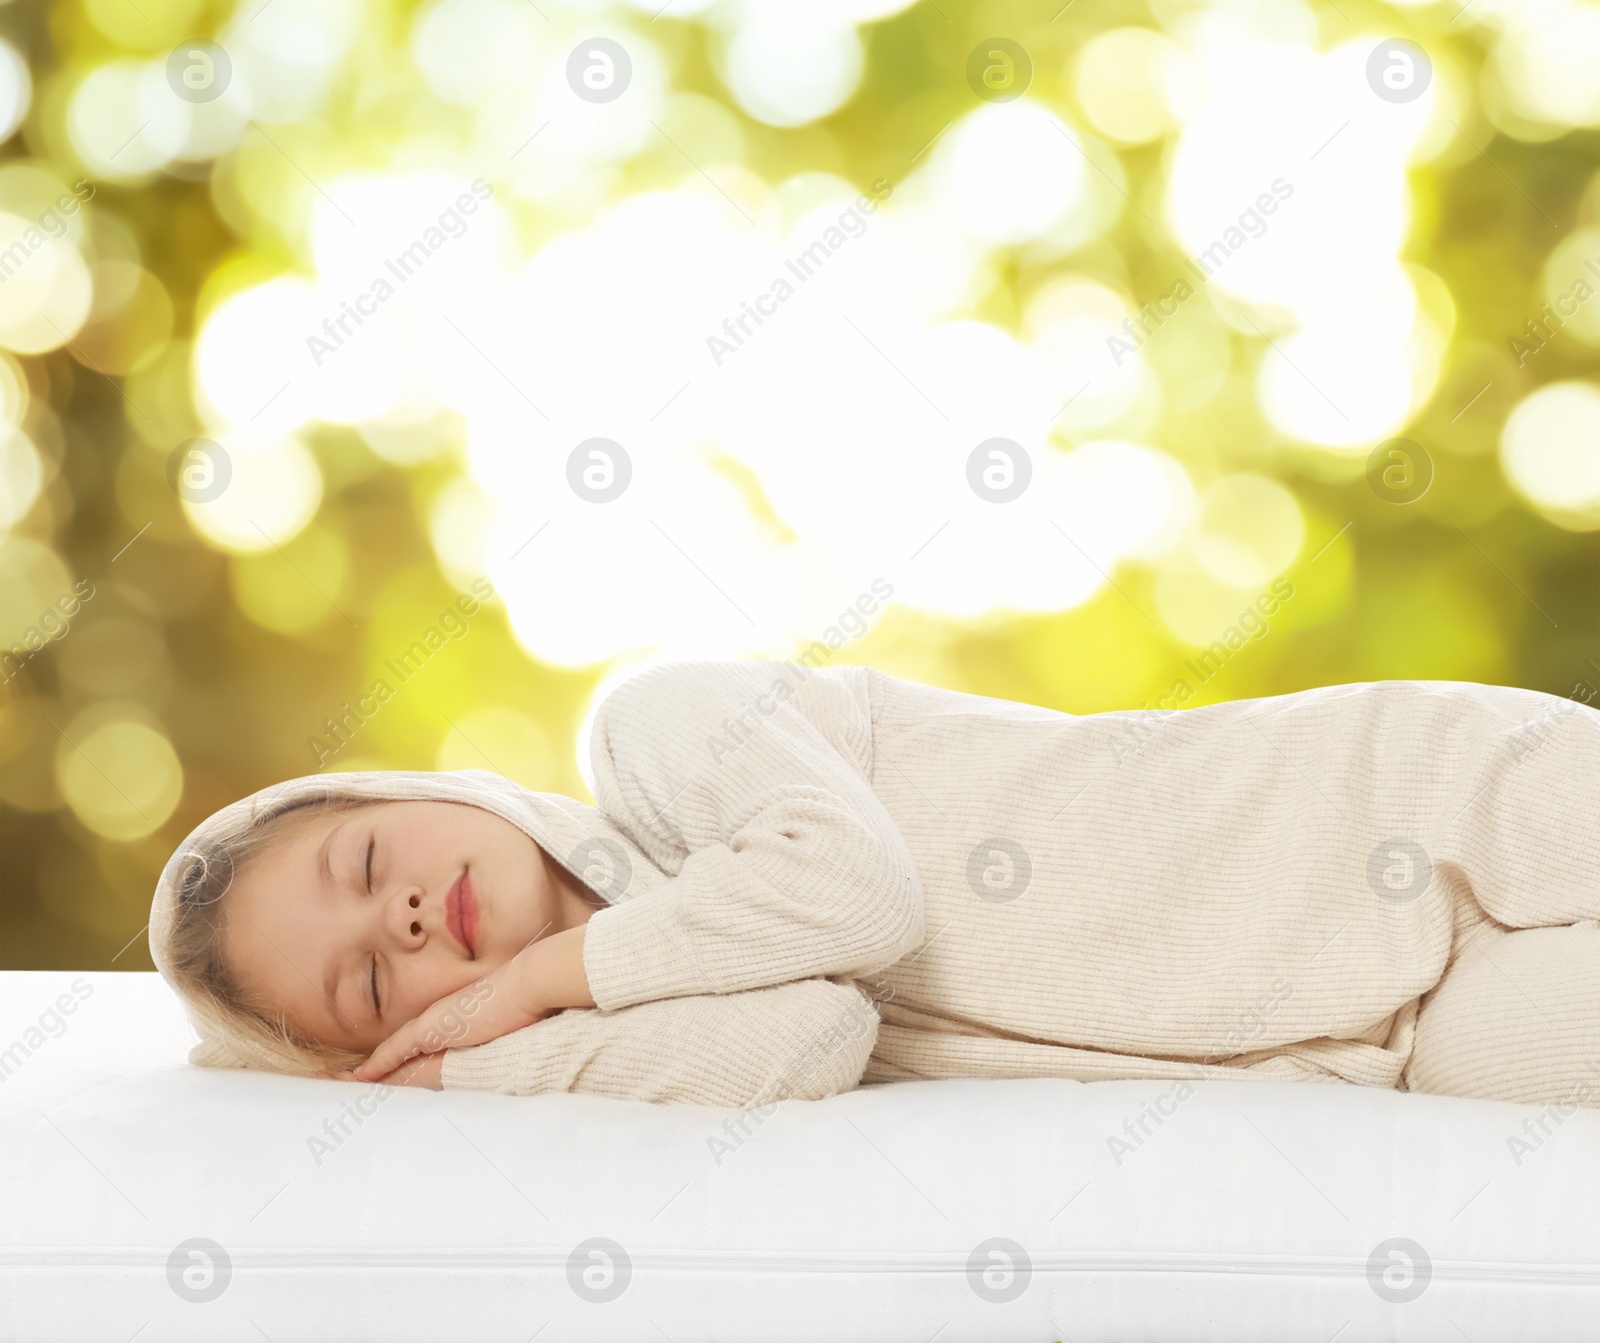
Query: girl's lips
461,914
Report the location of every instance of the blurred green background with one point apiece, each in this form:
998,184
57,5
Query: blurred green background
198,571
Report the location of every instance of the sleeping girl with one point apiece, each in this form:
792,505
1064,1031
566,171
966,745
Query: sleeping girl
796,881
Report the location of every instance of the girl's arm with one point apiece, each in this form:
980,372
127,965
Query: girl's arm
804,1040
553,968
786,866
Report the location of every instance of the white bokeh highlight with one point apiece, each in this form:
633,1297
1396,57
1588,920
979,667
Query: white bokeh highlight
1317,276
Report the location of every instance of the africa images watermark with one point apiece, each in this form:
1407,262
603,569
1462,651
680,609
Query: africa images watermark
1537,1129
452,624
51,224
1540,331
1135,729
851,223
55,623
452,223
1136,1131
1535,733
51,1025
1251,624
850,624
1251,224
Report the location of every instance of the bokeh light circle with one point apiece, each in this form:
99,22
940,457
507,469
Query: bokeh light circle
470,50
130,319
1546,59
1336,383
1126,80
1550,449
459,519
16,90
121,778
21,475
124,121
788,65
146,25
1008,172
47,293
499,738
36,595
273,491
1248,531
296,588
1572,285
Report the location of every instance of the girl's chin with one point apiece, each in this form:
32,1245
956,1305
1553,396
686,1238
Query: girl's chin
486,962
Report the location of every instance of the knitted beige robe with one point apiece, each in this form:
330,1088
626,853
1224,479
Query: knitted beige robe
821,877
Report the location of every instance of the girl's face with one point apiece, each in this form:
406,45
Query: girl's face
423,897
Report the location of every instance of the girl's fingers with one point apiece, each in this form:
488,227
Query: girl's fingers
421,1035
422,1071
447,1024
389,1055
418,1070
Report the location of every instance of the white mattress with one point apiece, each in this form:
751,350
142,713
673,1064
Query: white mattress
1252,1212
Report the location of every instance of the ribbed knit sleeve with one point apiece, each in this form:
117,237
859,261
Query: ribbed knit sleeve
802,1041
745,781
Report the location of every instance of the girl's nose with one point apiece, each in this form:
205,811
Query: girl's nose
408,924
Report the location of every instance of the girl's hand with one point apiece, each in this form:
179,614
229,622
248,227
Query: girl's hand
503,1001
423,1071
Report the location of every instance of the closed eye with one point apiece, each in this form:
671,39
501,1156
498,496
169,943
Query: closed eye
377,1006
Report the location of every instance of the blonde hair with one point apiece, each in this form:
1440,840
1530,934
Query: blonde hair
239,1029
